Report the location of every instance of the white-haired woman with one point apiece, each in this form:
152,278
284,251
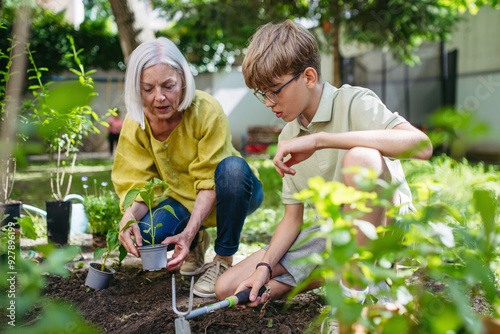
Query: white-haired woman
181,135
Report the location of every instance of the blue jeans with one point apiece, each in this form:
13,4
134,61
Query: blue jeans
238,193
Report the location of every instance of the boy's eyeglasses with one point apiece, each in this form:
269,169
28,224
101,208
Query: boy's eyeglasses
272,95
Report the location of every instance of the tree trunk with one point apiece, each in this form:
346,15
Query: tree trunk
16,80
131,19
337,81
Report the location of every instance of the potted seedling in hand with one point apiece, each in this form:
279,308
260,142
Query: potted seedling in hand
100,275
154,256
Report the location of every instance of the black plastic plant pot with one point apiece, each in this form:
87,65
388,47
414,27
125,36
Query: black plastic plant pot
13,209
98,279
153,258
58,221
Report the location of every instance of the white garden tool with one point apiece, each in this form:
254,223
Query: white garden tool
181,324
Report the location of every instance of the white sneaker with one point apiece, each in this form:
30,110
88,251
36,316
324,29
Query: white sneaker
205,286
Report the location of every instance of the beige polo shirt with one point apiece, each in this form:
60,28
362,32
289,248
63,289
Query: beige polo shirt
341,110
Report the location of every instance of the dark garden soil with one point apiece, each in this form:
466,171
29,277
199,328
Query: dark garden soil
141,302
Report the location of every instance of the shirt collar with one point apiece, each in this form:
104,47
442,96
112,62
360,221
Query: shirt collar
323,113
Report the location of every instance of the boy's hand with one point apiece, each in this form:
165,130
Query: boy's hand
299,150
255,281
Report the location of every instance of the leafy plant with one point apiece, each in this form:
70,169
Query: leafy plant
456,130
147,193
64,118
30,279
112,243
102,209
443,257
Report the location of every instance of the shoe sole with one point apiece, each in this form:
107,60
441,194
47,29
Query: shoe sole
190,273
203,295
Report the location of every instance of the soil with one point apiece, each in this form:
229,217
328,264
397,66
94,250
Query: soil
141,302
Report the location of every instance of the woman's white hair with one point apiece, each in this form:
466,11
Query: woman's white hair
158,51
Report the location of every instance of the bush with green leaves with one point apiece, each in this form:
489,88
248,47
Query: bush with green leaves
23,281
103,210
453,241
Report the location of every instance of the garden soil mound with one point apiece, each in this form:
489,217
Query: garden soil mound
141,302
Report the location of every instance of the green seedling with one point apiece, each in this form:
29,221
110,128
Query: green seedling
112,243
147,193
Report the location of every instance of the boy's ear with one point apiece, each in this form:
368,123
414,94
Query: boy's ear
311,77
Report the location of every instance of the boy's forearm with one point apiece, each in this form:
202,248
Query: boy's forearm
393,143
285,234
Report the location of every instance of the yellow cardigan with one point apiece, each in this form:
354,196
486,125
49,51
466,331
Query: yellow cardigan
186,160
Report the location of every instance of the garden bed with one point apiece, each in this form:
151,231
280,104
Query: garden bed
141,302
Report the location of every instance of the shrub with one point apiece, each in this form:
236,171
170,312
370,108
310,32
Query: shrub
103,211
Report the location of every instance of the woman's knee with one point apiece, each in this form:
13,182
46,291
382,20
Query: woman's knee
231,166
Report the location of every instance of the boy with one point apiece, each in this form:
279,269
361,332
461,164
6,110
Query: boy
328,129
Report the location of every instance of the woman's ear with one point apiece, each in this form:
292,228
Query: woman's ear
311,77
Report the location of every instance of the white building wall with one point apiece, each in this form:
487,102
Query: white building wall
478,83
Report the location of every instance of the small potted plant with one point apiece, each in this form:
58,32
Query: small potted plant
154,256
100,275
103,212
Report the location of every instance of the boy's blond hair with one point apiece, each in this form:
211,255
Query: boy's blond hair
276,50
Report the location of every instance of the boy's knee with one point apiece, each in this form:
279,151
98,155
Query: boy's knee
363,157
222,288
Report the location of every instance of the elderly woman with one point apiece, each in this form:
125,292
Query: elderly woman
181,135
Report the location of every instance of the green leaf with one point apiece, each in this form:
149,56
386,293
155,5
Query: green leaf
169,209
130,198
123,253
148,197
112,239
486,205
99,252
130,222
28,227
66,97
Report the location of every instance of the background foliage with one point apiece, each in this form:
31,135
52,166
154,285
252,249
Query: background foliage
48,40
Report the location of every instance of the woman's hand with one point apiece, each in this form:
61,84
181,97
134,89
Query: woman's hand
125,235
255,281
182,242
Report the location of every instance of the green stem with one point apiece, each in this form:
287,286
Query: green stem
152,228
103,265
